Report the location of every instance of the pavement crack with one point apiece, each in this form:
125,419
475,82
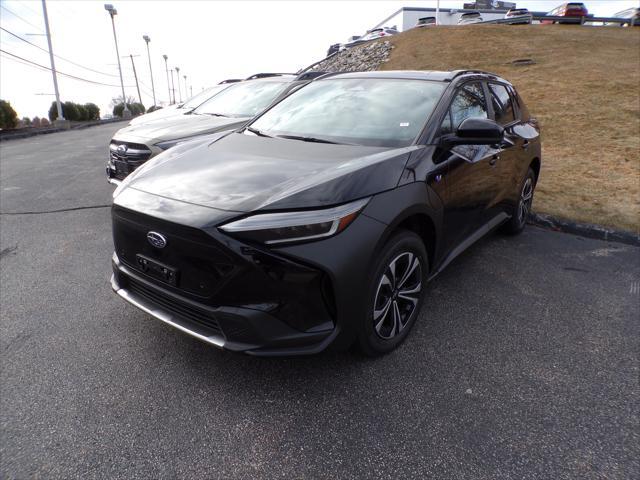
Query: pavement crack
71,209
8,250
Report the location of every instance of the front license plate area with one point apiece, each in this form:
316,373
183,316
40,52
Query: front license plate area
157,270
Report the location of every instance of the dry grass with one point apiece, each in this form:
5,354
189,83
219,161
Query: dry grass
584,89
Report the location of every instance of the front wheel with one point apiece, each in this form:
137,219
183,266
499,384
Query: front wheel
395,297
519,218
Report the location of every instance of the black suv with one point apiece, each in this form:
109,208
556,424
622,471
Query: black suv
320,222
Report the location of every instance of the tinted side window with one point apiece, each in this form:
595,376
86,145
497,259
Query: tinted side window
502,105
469,102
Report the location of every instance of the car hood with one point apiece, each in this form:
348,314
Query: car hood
178,126
243,173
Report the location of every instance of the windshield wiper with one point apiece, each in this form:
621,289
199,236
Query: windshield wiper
216,114
307,139
257,132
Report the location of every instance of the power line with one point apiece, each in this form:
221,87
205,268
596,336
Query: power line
18,16
62,73
57,56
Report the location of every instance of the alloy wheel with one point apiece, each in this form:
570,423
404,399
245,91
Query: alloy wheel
397,295
526,197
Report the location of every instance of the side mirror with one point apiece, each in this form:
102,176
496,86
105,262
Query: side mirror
476,131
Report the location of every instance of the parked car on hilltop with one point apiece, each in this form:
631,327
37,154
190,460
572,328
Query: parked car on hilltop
133,145
632,14
379,33
469,18
333,49
370,35
321,222
519,16
570,10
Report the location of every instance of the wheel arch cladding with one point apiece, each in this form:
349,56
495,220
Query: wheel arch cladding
408,207
535,166
422,225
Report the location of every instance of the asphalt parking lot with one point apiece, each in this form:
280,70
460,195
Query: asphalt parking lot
523,365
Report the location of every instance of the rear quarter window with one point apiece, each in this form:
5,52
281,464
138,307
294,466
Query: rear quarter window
502,104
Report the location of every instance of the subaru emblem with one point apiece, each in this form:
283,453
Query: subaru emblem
122,149
157,239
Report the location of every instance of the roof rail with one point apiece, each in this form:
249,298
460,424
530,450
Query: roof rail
266,75
230,80
457,73
310,75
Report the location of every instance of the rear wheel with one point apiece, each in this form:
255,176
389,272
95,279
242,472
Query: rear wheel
519,218
395,294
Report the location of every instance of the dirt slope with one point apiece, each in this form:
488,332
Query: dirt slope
585,90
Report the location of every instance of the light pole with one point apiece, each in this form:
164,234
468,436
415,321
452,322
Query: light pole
126,113
166,66
173,87
185,87
153,88
53,64
135,75
178,75
438,12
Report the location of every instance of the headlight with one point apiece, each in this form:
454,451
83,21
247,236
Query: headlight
271,228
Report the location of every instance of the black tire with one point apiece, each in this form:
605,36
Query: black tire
402,250
518,220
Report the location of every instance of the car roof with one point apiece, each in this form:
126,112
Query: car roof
273,78
432,75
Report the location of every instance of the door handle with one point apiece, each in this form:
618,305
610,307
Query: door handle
525,145
494,159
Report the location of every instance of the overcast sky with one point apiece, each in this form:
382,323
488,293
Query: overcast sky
208,41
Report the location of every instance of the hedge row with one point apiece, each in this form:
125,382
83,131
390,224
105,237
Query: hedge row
134,108
75,112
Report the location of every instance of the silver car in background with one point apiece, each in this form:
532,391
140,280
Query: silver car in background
184,107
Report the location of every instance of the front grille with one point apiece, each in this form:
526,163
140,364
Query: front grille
127,156
201,318
204,264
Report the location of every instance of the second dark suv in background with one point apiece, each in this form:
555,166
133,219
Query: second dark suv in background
234,106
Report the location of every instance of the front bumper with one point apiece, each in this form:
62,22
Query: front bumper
232,328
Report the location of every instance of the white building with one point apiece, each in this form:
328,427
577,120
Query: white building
407,17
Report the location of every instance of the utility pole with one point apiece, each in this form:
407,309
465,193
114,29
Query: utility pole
153,87
173,87
185,86
126,113
135,75
53,63
168,84
178,75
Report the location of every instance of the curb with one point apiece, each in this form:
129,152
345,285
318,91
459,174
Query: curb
597,232
45,131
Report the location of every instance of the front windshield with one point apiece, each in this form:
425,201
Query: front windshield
203,96
244,99
373,112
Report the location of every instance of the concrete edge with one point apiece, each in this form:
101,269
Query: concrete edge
45,131
597,232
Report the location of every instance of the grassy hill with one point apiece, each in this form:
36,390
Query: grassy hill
585,90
